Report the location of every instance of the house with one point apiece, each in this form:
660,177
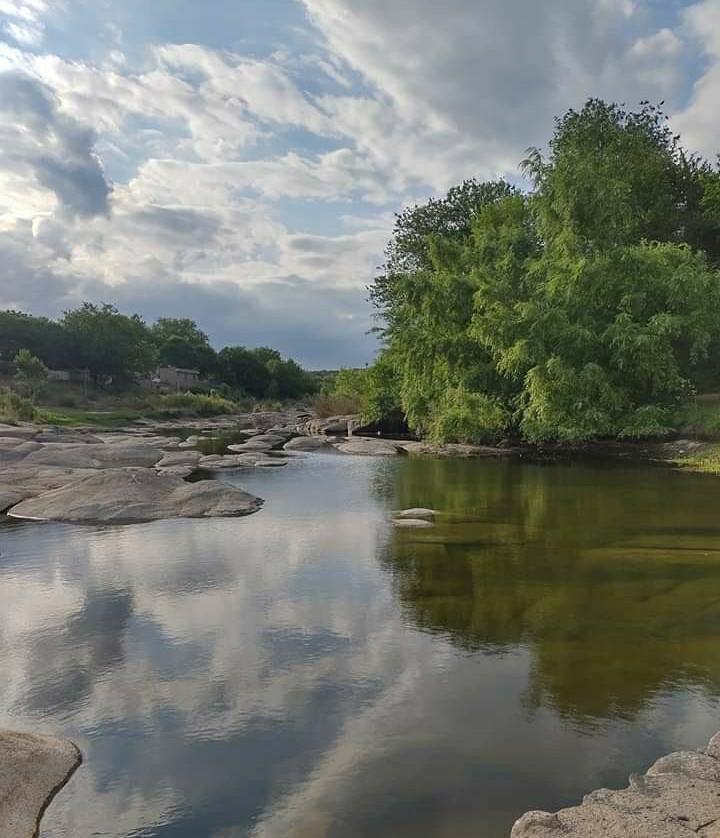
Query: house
174,378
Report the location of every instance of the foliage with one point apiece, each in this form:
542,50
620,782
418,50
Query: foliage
14,408
109,344
202,404
31,372
42,337
463,416
587,308
181,343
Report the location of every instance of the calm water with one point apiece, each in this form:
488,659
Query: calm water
309,673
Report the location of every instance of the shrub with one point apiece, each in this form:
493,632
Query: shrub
464,416
14,408
202,404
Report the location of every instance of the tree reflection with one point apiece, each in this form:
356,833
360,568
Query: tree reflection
610,576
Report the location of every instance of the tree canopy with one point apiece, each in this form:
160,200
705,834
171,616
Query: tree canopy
587,307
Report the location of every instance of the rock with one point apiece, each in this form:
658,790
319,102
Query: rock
15,449
75,455
308,443
131,495
9,497
371,447
214,462
179,458
270,463
60,435
33,769
678,796
332,425
416,512
19,431
262,442
412,523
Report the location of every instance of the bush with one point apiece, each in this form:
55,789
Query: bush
14,408
202,404
463,416
335,404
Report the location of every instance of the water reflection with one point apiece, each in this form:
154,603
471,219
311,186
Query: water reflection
611,576
310,672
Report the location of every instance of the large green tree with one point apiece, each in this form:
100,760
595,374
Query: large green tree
111,345
589,307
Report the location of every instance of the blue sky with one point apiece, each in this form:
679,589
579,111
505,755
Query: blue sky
240,161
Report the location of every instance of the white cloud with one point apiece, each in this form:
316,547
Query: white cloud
699,122
23,20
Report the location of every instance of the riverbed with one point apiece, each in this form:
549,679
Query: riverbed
312,672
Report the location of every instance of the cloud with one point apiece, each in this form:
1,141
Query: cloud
47,150
699,122
22,20
460,89
235,169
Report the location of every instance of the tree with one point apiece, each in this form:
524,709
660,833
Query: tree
177,351
587,308
166,328
42,337
31,372
109,344
242,369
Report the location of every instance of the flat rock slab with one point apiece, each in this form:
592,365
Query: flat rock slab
131,495
89,455
678,796
369,447
33,769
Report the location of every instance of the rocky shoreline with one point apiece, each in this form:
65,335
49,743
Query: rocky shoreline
678,796
140,473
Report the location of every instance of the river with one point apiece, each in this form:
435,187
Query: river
311,672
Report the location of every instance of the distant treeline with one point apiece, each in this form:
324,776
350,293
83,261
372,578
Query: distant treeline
586,307
122,348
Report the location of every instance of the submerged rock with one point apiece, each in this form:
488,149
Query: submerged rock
33,769
412,523
132,495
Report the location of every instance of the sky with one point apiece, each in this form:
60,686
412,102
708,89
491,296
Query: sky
240,161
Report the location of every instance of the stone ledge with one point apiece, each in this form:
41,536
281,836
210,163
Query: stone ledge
33,769
678,796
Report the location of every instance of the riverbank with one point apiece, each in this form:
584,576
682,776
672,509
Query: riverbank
153,468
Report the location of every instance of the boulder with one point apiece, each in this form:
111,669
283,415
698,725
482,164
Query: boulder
179,458
371,447
131,495
308,443
33,769
416,512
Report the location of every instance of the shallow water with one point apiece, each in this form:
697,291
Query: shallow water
310,672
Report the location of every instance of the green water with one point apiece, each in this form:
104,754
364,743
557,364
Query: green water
312,672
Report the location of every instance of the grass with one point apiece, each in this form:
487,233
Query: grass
705,459
72,417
